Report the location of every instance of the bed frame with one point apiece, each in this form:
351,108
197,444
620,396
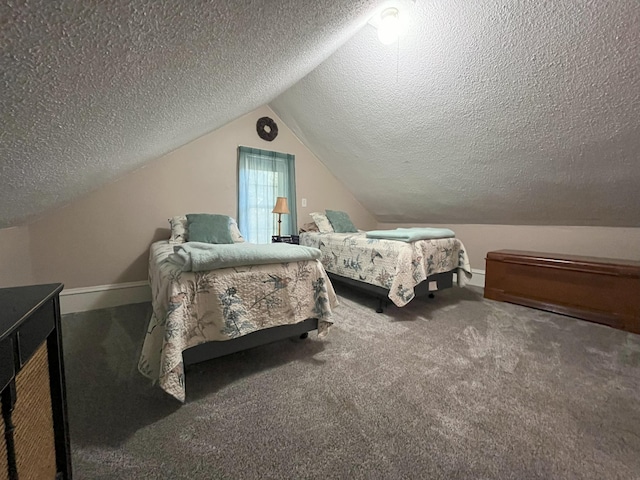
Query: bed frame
426,287
210,350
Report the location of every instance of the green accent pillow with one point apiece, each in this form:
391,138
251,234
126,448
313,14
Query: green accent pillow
208,228
341,222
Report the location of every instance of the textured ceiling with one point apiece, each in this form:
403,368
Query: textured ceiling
94,89
512,112
503,112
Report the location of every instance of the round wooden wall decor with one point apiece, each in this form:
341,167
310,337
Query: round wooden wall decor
267,129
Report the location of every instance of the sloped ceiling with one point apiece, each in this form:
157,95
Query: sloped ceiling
505,112
94,89
502,112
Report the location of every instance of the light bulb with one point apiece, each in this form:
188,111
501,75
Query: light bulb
389,28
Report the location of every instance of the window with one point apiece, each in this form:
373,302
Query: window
262,177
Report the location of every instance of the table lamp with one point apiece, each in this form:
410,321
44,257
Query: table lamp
280,208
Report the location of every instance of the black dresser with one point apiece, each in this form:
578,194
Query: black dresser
35,434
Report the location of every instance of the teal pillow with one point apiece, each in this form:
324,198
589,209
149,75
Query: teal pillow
208,228
340,222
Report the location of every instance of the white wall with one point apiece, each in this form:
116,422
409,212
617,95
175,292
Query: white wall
103,238
15,258
621,243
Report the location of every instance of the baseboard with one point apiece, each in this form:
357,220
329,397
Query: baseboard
477,280
74,300
103,296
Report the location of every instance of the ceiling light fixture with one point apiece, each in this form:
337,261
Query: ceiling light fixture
389,27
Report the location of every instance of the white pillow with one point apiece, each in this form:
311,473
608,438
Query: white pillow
180,232
235,231
323,223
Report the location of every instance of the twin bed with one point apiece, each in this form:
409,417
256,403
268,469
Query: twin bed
199,315
391,269
206,309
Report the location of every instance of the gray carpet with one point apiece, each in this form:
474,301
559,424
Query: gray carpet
457,387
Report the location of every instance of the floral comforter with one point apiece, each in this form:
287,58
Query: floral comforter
390,264
190,308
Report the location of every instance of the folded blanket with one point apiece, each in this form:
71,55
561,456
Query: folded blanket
198,257
412,234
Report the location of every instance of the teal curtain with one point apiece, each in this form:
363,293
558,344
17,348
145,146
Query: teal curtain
262,177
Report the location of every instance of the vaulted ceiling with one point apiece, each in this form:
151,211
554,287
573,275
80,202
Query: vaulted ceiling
507,112
94,89
503,112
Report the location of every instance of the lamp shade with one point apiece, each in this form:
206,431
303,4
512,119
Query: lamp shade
281,206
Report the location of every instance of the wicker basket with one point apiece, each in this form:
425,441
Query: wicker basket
32,417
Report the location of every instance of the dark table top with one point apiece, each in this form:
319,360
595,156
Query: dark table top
18,303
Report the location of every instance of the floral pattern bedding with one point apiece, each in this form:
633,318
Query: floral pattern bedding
390,264
190,308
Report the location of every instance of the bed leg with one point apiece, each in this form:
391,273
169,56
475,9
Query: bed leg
304,335
431,295
379,309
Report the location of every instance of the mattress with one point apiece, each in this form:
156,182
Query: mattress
393,265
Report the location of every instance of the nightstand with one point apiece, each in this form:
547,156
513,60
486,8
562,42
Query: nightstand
293,239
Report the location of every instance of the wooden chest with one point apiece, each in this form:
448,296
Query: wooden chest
600,290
